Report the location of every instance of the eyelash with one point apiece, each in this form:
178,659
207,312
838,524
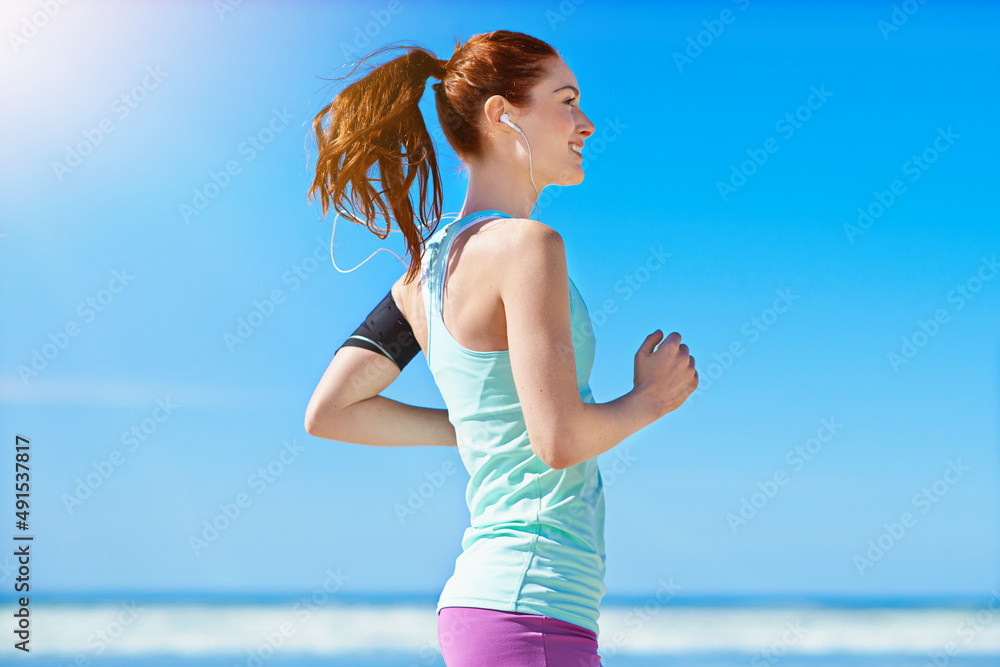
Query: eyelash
570,101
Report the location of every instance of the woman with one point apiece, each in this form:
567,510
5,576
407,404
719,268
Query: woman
506,334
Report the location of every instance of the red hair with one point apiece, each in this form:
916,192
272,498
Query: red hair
376,120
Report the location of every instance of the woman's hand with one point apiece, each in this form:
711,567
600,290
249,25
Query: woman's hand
665,374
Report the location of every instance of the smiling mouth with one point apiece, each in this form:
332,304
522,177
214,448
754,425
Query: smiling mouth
576,152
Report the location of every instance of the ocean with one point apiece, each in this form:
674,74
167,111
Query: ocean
383,631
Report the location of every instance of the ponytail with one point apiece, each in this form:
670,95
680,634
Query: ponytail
376,120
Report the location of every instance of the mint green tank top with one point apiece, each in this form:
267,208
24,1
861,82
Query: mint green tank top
536,540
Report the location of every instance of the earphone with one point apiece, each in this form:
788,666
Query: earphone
371,255
504,118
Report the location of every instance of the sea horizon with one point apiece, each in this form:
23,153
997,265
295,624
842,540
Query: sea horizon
766,600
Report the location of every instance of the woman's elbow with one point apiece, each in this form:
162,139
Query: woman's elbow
317,422
552,432
552,449
310,423
547,457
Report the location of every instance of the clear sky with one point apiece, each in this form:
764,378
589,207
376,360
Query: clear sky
807,192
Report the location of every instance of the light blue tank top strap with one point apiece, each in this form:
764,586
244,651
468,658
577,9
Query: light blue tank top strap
434,269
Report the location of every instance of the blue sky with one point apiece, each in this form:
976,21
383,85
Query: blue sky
857,472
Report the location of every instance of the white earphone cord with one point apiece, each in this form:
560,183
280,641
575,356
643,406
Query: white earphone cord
504,118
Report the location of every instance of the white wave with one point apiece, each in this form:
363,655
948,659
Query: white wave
814,631
332,629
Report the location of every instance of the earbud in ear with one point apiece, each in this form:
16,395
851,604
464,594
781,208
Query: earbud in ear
504,118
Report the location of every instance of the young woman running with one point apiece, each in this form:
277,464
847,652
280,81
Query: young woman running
505,332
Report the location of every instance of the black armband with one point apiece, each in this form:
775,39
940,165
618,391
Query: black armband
386,332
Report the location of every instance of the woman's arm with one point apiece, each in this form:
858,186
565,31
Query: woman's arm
383,422
346,406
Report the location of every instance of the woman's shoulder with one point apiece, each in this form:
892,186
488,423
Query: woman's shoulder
531,241
529,225
526,233
493,245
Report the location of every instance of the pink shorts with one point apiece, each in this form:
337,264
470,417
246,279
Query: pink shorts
475,637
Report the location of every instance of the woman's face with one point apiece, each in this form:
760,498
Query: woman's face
555,126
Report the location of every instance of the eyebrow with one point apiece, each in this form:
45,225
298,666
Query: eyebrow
573,88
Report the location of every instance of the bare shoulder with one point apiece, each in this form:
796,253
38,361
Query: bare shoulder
502,234
530,226
531,245
506,243
528,241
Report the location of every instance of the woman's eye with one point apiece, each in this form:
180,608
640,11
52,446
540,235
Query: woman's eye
570,101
